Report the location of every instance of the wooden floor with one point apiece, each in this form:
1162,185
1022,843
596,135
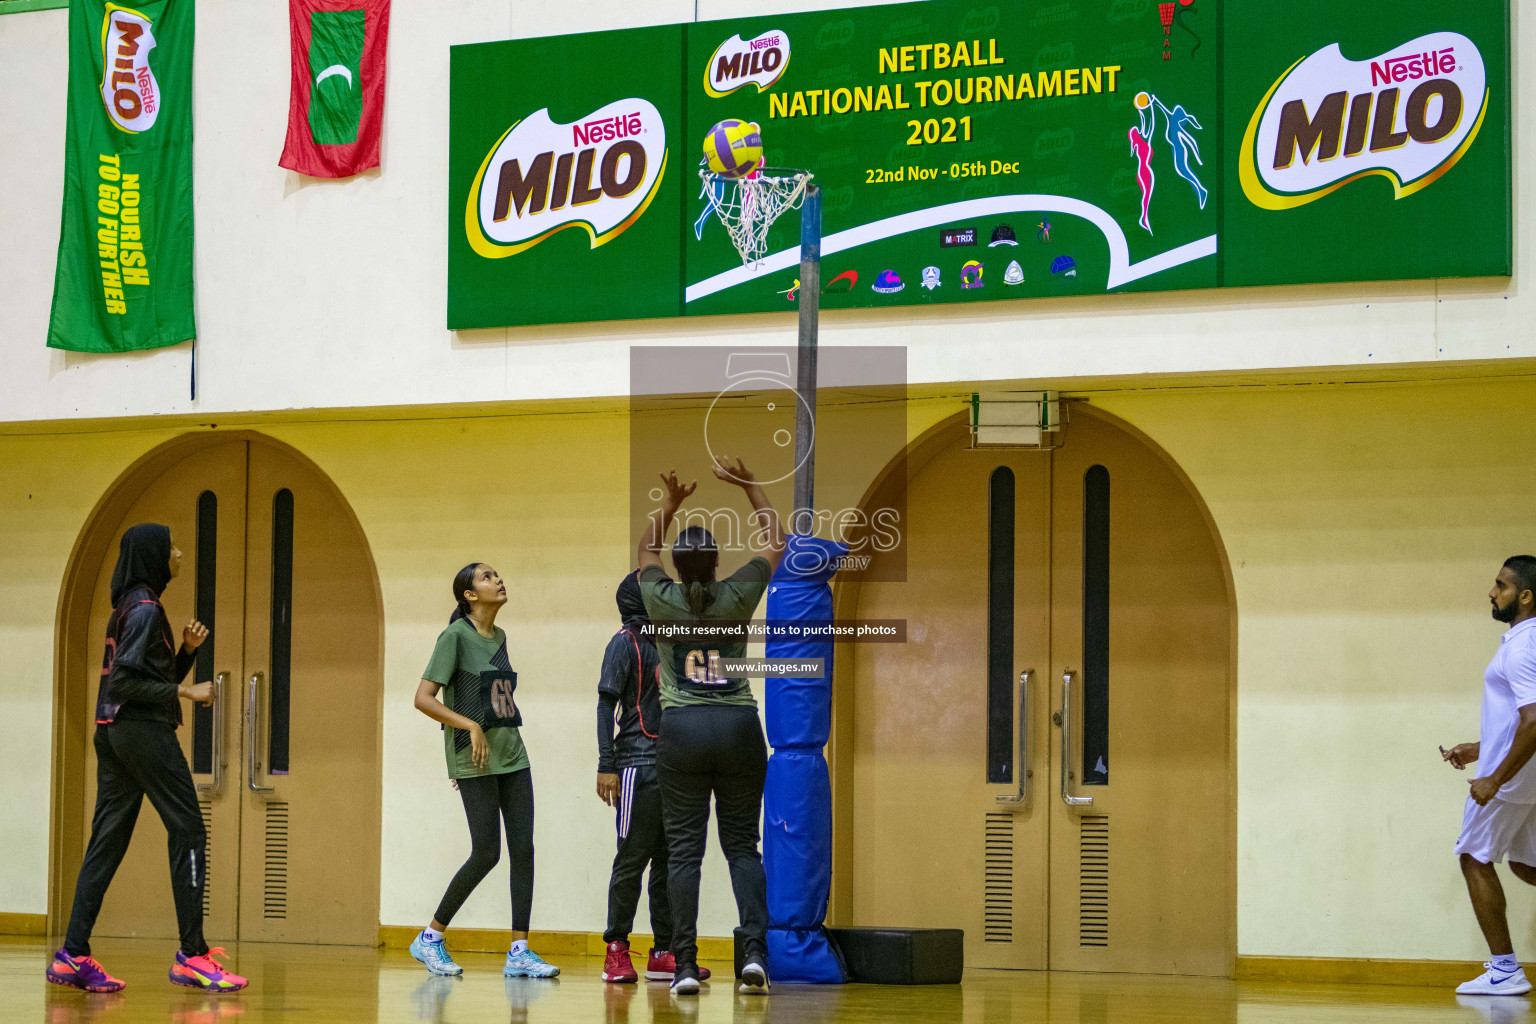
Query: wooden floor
326,984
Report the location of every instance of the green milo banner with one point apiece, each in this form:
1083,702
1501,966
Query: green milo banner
971,152
124,275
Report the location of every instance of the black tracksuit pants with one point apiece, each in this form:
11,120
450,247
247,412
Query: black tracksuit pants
642,841
714,750
134,759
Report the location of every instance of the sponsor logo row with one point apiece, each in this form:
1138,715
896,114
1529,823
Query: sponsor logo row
972,278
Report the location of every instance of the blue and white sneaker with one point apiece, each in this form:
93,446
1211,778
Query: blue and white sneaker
1494,982
528,964
434,955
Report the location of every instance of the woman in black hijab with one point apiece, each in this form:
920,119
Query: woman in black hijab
137,713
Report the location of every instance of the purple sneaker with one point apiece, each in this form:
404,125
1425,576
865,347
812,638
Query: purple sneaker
82,972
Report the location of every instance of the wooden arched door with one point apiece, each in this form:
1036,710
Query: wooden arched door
287,760
1092,569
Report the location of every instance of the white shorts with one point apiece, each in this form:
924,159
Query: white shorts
1498,830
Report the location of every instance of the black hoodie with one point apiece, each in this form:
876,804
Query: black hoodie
141,666
629,684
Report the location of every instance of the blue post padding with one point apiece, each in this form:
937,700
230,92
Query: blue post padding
799,712
797,794
804,956
797,838
810,560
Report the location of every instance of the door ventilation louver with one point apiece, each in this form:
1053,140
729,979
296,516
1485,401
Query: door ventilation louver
1093,880
275,875
997,924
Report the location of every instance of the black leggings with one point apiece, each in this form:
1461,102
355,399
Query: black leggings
715,750
488,800
135,759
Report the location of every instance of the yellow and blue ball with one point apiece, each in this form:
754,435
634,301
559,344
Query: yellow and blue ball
733,148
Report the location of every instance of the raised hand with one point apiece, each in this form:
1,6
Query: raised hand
194,634
733,471
677,493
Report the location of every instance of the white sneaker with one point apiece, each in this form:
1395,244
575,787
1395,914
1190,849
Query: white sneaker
754,980
1494,982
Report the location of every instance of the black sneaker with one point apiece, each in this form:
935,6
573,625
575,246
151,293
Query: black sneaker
685,980
754,979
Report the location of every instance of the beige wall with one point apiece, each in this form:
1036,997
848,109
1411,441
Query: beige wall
48,485
330,294
1363,524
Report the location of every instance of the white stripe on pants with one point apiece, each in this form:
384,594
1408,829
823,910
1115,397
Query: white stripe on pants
626,800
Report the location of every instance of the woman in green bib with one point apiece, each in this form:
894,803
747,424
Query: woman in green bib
711,740
487,762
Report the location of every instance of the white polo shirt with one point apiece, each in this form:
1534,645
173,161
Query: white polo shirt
1508,685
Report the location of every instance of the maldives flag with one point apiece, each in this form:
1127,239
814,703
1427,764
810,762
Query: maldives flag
336,106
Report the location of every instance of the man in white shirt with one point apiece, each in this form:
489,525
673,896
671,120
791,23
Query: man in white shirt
1500,817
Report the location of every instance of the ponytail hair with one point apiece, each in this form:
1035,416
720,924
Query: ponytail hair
465,580
694,556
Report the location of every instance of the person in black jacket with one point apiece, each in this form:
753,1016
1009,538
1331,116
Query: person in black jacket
627,696
138,711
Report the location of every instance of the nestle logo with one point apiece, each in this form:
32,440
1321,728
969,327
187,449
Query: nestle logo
758,44
1413,66
605,129
951,237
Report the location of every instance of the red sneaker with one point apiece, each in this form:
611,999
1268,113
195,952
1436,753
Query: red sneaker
662,966
617,967
205,972
82,972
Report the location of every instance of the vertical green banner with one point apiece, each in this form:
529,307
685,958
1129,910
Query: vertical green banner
124,275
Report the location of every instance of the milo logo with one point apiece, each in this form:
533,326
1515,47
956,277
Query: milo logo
738,61
1054,143
836,200
980,188
1128,10
835,33
598,173
1407,115
976,20
1057,55
128,86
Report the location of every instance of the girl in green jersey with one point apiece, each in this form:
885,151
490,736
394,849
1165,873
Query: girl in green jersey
486,760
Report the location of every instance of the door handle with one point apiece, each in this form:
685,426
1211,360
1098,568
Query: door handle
252,736
216,787
1022,766
1065,720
